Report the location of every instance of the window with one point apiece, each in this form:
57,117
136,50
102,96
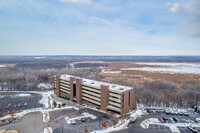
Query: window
129,98
74,90
122,101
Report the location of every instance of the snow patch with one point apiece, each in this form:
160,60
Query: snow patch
48,130
84,115
23,95
2,66
112,72
45,85
6,117
46,117
182,68
45,98
139,113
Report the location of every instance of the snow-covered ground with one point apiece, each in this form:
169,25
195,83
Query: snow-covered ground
48,130
183,68
84,115
45,85
23,95
45,97
40,57
46,117
2,66
5,117
112,72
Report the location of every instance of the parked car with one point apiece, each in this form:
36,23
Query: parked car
161,120
167,111
162,111
166,120
184,121
171,121
190,121
193,129
19,105
198,120
64,104
25,104
15,106
173,112
73,122
176,112
186,113
83,119
8,106
176,120
180,112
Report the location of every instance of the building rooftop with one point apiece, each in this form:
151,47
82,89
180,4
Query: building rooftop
98,84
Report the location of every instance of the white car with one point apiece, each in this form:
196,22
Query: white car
73,122
198,120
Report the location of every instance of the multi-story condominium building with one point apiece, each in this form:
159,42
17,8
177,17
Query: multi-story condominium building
107,97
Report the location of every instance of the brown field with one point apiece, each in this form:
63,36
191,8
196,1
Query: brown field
139,75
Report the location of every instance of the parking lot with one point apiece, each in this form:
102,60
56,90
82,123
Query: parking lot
160,128
14,103
186,130
155,111
58,119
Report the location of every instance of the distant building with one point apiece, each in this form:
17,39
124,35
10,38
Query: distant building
107,97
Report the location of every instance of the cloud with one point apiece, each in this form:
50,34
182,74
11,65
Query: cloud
175,7
77,1
191,15
101,20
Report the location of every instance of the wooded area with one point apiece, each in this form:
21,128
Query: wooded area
160,93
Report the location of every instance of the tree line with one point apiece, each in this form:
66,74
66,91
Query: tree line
161,93
158,93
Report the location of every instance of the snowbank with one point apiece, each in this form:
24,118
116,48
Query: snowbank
46,117
45,98
5,117
144,124
45,85
23,95
48,130
139,113
2,66
84,115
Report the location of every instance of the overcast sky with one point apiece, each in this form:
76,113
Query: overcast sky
99,27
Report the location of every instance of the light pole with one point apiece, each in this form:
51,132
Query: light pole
99,122
62,128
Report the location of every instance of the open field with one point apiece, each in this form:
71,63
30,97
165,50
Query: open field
173,72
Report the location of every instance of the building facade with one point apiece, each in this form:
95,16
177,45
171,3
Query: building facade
104,96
